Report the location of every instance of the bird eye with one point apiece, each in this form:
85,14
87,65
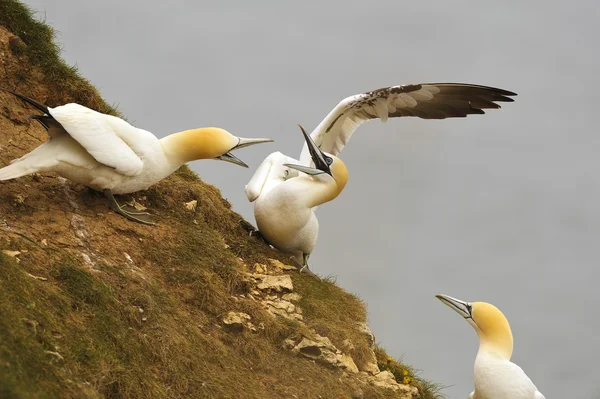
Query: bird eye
329,160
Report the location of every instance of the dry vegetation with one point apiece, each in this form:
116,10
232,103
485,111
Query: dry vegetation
93,305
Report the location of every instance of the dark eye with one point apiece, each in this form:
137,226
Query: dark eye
329,160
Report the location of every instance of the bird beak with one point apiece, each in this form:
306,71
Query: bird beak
318,157
461,307
248,142
229,157
306,169
242,142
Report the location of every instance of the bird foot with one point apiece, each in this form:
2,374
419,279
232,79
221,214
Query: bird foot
303,268
129,211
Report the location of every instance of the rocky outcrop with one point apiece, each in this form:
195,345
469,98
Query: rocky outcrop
273,287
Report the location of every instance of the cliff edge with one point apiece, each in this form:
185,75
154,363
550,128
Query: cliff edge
95,306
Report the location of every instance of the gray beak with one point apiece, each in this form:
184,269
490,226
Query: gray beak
229,157
306,169
242,142
461,307
248,142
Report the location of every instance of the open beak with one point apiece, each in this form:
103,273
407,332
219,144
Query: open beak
319,158
461,307
229,157
242,142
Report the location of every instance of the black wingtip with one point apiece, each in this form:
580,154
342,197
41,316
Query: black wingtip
28,100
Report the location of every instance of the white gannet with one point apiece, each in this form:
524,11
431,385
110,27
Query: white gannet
286,191
496,377
108,154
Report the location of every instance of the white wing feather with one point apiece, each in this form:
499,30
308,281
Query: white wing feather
106,138
428,101
269,174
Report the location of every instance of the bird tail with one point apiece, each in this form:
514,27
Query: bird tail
16,169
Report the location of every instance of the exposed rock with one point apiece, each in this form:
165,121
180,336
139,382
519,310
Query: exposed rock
364,328
236,321
347,345
278,265
190,206
292,297
259,268
276,283
282,308
371,367
322,350
386,380
347,363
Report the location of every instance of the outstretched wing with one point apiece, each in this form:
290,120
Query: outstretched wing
426,100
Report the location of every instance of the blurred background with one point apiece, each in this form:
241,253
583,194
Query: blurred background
502,208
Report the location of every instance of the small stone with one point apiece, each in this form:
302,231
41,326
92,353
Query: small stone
12,254
137,205
281,266
235,321
19,199
190,206
144,318
258,268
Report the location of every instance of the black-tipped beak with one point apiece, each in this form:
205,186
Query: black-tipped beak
321,161
461,307
229,157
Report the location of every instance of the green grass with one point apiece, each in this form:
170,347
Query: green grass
407,374
38,44
152,329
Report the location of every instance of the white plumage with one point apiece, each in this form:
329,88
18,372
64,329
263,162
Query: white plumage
495,376
108,154
290,224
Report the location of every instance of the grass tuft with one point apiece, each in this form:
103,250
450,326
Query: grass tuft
408,375
36,41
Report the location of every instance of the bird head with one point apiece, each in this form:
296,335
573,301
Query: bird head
211,143
326,166
488,321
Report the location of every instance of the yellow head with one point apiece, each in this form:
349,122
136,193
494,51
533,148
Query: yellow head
339,172
495,335
206,143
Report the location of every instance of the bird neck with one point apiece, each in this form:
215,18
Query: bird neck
190,145
498,342
316,191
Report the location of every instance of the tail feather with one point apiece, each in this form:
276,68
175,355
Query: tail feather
16,169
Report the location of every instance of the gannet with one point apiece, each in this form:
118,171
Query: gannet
109,155
496,377
287,191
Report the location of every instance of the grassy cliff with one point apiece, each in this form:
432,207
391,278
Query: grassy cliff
94,306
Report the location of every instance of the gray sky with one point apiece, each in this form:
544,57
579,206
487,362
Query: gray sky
503,208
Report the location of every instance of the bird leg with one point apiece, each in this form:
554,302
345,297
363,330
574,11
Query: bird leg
128,211
303,268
